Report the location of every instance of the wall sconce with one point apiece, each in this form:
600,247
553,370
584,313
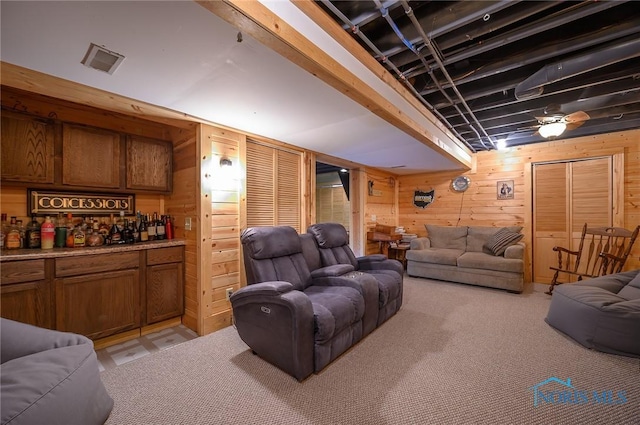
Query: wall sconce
225,162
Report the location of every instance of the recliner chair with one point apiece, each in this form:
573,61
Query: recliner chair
333,242
293,320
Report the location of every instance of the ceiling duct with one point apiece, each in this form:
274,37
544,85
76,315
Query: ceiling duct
97,57
608,55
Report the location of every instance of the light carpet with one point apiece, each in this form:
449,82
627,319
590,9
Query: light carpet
454,354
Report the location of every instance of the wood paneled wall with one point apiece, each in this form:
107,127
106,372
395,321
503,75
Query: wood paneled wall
479,204
381,202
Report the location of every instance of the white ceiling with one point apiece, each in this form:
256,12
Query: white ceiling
180,56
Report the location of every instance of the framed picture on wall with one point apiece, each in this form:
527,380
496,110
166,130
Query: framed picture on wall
505,189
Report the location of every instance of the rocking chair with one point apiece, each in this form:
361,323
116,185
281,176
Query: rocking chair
606,251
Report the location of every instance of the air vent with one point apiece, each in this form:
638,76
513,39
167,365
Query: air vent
99,58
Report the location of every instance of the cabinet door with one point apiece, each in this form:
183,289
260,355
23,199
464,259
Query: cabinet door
27,149
164,292
149,164
98,305
28,302
90,157
25,292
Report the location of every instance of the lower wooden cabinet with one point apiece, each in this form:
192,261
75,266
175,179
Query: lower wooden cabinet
95,295
165,283
25,292
99,305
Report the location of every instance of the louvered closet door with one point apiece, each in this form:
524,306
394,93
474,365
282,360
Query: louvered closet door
273,186
567,195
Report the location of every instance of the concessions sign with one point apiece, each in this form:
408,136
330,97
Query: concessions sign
423,199
43,202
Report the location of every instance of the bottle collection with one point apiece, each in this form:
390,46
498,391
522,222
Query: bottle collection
67,231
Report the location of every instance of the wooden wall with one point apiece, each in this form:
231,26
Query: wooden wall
479,204
381,203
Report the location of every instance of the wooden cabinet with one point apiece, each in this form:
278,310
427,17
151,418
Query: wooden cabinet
68,156
90,157
164,284
101,294
25,292
27,147
148,164
98,295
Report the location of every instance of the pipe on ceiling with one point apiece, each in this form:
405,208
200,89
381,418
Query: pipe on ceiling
356,31
608,55
439,59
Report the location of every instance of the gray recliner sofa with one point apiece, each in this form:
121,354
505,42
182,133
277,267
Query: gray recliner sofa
333,244
602,313
49,377
295,316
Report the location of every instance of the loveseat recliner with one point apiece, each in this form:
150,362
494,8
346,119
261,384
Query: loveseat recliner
49,377
296,317
333,244
602,313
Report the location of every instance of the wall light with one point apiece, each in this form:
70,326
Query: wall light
225,162
553,129
501,144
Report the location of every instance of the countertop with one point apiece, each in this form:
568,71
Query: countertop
33,254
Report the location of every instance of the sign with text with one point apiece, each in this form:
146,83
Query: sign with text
43,202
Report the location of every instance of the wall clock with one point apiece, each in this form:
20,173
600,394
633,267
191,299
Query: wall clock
460,184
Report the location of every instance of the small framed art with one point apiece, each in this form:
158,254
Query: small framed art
505,189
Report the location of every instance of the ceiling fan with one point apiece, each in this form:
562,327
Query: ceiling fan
554,122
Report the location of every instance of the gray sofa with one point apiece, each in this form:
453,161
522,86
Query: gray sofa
602,313
296,313
49,377
476,255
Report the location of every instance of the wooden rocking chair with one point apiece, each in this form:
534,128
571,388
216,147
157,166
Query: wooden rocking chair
606,251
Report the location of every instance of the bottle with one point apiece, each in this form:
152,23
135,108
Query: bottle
79,237
23,234
13,235
3,230
33,233
103,229
143,230
60,240
169,227
151,227
160,229
47,234
115,234
70,229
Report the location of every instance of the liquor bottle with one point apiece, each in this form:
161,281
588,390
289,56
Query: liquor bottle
115,234
104,228
169,227
3,230
161,229
23,234
47,233
151,227
60,231
13,235
70,229
33,233
79,236
143,230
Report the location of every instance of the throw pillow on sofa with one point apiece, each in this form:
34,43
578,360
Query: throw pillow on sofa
501,240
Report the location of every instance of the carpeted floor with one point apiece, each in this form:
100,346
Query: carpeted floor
454,354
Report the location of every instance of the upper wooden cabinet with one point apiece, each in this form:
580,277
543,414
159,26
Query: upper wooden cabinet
90,157
27,147
148,164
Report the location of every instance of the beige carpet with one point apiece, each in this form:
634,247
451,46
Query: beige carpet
454,354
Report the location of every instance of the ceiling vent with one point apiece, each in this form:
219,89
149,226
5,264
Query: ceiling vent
99,58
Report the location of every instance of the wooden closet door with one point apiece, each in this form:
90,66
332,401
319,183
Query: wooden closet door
567,195
551,221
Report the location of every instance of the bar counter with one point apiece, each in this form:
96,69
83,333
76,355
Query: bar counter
34,254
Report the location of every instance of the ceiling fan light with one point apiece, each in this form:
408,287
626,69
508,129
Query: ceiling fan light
553,129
